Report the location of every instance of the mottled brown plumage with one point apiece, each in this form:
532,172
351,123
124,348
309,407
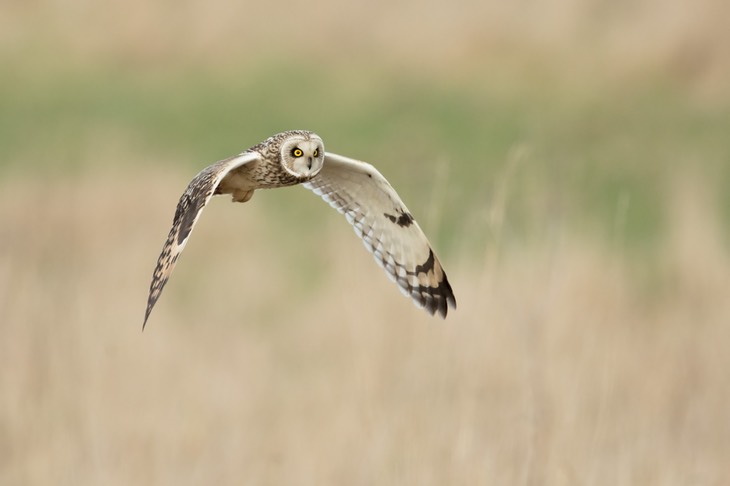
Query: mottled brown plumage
354,188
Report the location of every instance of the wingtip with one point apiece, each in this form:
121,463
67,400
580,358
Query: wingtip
451,301
435,303
448,299
448,302
147,313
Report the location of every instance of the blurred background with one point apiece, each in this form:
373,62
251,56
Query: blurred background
569,160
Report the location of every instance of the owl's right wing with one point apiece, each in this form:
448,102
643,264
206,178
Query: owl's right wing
191,204
387,229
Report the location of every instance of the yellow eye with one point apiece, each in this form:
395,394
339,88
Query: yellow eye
316,152
297,152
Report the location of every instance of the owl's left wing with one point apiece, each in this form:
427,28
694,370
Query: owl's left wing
188,210
387,229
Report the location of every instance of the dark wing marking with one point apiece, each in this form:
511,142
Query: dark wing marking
357,190
191,204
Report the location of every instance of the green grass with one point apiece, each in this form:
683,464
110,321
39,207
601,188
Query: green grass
585,155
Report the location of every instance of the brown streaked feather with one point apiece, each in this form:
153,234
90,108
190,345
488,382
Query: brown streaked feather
387,229
188,210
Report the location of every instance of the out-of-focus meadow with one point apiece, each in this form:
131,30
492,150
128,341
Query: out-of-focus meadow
569,160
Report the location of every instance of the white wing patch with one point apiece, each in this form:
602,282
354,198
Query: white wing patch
387,229
188,210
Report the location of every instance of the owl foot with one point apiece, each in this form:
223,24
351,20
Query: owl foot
242,196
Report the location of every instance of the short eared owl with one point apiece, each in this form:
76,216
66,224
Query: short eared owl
356,189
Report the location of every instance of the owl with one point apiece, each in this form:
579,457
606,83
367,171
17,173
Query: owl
355,189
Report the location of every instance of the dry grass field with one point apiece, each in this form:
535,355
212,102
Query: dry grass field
559,367
570,161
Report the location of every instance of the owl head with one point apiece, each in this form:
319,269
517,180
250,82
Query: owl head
302,154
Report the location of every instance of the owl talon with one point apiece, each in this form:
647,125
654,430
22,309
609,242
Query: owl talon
242,196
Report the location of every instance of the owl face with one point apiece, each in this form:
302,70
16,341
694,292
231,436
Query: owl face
302,155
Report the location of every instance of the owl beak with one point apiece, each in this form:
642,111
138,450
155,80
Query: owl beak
309,163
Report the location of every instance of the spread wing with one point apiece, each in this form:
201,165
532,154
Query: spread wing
387,229
191,204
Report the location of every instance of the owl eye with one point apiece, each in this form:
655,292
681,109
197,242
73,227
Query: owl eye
297,152
316,152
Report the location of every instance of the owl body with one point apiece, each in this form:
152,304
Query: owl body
268,171
356,189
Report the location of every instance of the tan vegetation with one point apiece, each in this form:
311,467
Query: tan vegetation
559,367
570,40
